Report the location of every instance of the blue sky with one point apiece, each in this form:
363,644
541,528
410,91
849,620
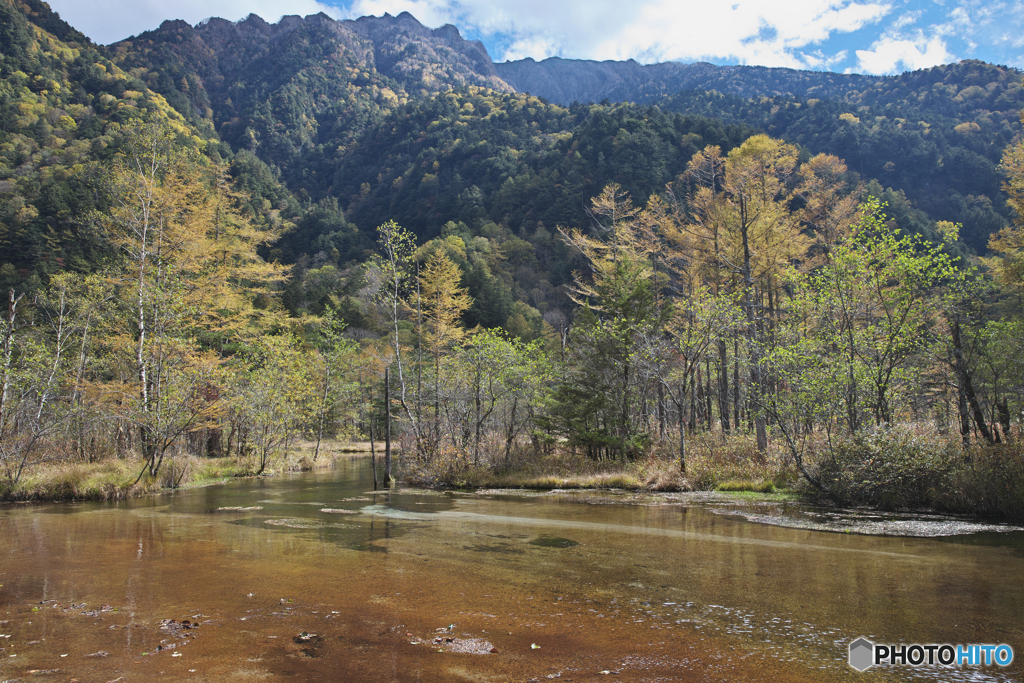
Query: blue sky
861,36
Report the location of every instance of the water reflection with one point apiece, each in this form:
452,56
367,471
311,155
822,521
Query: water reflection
652,591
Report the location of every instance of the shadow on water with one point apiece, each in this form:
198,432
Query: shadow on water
1010,540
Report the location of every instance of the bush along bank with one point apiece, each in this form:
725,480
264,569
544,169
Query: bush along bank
889,468
906,469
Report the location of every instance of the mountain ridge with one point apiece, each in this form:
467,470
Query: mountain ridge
631,81
335,127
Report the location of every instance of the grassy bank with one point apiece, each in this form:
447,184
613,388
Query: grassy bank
713,462
913,469
115,478
887,469
908,469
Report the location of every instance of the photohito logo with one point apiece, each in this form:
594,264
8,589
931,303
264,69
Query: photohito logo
864,654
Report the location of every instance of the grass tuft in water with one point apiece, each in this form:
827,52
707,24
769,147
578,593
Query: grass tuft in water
747,485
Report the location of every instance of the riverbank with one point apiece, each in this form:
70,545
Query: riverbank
118,478
714,463
890,469
896,469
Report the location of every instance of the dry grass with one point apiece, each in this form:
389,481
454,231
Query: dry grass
114,478
712,460
913,467
110,479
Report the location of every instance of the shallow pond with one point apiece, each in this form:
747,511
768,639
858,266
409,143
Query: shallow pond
316,577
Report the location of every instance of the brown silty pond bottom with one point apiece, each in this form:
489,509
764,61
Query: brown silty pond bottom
315,577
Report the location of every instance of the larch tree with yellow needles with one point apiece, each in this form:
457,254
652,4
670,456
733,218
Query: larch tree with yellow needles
189,269
444,302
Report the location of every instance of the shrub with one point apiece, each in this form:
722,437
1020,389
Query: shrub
890,468
986,480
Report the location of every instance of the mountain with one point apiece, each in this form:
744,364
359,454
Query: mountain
575,80
302,93
304,85
426,60
334,127
61,101
937,134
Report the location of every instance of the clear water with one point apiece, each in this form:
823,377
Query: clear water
316,577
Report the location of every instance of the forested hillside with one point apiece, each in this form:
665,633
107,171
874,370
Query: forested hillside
577,80
60,98
215,239
937,135
63,103
333,128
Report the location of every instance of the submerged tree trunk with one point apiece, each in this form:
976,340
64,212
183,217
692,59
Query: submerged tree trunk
723,385
373,453
387,426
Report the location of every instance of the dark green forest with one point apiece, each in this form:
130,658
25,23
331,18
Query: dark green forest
332,129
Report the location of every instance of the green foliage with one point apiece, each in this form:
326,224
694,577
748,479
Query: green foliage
597,402
268,399
859,320
61,102
522,164
935,135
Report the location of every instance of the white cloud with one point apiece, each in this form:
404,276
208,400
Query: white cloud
114,20
904,20
749,31
537,47
895,53
990,26
823,62
809,34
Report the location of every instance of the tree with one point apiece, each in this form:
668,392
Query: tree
390,273
16,392
190,268
270,398
1008,243
45,350
334,386
596,403
444,302
757,176
860,320
498,381
699,321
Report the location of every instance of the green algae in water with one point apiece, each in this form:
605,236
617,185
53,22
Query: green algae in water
546,541
496,548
